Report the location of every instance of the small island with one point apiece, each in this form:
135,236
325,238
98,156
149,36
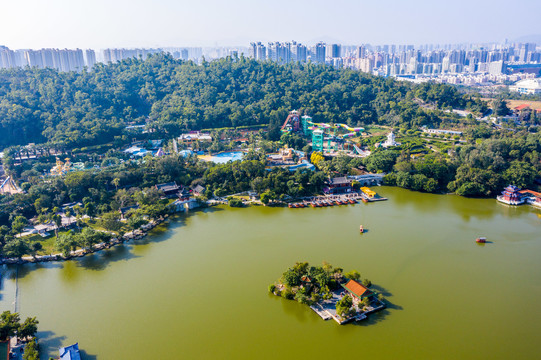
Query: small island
329,292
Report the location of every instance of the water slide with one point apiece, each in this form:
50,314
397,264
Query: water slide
353,131
359,151
4,183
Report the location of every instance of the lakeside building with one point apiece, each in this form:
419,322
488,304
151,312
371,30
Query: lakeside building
338,185
70,352
357,291
198,190
511,196
532,197
169,189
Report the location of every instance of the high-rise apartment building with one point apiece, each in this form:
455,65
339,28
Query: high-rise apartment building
319,53
90,58
333,51
258,51
361,52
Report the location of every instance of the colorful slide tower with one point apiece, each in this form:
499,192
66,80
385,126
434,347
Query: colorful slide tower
292,123
319,130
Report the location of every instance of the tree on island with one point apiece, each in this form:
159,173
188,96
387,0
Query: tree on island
353,275
344,306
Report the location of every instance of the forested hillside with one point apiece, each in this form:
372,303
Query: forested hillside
80,109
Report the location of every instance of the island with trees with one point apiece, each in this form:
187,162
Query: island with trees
329,291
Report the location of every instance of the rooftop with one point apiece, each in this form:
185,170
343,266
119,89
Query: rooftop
171,186
529,83
70,352
357,289
339,180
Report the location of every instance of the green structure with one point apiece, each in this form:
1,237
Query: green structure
305,121
317,140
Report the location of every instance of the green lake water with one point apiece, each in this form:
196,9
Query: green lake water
198,289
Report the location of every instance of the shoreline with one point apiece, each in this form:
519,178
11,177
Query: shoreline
145,229
134,235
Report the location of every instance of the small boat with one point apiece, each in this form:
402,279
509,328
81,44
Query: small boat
361,229
481,240
351,201
313,204
290,206
364,200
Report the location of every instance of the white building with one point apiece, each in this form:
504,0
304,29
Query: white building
390,141
527,86
441,131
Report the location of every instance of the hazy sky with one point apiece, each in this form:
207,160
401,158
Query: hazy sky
144,23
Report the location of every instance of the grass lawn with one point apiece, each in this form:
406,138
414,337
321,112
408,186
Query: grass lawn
47,243
373,130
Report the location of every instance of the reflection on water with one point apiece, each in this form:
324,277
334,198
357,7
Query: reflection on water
201,283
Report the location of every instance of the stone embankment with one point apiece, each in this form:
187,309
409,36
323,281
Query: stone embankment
133,235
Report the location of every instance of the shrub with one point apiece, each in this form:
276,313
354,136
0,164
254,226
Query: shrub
288,294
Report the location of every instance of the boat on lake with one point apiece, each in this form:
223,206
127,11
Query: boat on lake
361,229
481,240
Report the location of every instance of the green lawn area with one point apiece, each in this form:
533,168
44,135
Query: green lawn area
46,243
372,130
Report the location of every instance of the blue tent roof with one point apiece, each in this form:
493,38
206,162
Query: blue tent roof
70,352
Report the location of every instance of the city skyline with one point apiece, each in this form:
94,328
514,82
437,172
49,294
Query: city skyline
132,24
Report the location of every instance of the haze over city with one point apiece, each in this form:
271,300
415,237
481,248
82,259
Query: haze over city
123,23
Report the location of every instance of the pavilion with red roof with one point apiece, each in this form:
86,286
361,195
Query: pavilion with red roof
357,290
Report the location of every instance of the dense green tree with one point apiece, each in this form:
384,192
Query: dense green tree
16,248
344,306
9,324
353,275
31,350
28,328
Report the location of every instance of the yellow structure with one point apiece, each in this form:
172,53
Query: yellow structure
370,193
61,167
286,153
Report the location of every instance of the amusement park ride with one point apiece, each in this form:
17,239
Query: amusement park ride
334,134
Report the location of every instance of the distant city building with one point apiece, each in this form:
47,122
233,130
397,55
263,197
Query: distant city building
319,53
467,64
90,58
258,51
333,51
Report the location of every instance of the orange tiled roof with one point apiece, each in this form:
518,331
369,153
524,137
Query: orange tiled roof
357,289
535,193
522,107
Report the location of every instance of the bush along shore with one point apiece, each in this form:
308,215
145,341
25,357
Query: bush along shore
109,242
328,291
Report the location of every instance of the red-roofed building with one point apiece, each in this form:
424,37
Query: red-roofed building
358,291
522,107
